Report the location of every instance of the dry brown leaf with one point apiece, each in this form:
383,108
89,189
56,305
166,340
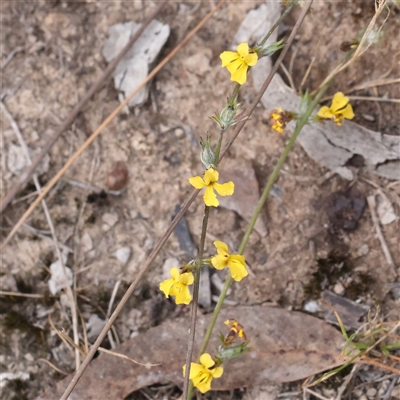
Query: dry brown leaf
285,346
247,193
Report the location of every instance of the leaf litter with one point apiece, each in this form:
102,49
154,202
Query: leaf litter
285,346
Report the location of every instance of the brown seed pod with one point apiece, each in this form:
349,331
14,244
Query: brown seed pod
118,176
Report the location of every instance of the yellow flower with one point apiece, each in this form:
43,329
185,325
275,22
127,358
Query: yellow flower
235,262
281,118
278,123
210,183
178,286
238,62
203,373
339,109
235,330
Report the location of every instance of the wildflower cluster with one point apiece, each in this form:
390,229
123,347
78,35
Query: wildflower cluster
209,367
238,64
280,118
339,109
178,285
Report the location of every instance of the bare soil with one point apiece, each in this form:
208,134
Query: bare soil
158,143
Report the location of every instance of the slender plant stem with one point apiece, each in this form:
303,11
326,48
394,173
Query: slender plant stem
193,314
274,175
281,18
188,386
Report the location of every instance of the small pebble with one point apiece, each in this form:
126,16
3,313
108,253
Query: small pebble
123,254
363,250
371,393
368,117
109,221
179,133
86,242
311,306
339,288
117,177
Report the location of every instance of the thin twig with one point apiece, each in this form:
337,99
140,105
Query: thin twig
316,394
378,82
303,81
53,366
18,294
123,356
25,177
11,55
372,206
51,226
110,305
44,234
346,381
290,79
383,99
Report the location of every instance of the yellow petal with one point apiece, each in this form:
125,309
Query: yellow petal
174,271
228,57
224,189
206,360
186,279
219,262
203,383
211,176
166,286
339,101
210,198
197,182
235,65
243,49
325,112
251,59
222,248
348,112
195,369
183,296
237,266
217,372
240,75
278,127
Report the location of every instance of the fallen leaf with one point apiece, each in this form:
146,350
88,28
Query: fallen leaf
349,311
285,346
247,193
134,66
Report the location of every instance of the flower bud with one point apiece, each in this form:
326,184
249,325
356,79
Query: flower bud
227,353
207,155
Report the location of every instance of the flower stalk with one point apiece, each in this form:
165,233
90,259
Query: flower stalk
303,120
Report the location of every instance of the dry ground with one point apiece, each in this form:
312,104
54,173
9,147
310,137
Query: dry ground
159,143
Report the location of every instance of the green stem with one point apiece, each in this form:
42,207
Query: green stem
281,18
222,131
193,314
274,175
